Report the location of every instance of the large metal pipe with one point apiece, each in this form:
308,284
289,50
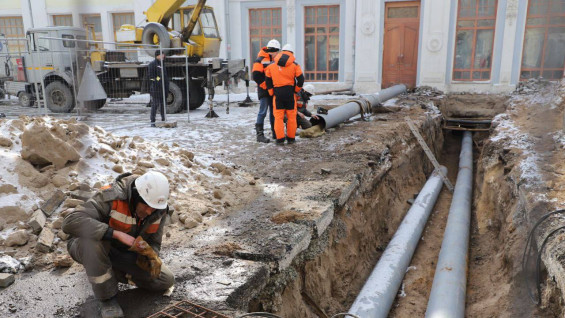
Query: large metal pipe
447,298
362,105
378,293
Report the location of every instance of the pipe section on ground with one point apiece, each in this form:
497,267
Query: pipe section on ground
379,291
447,298
362,105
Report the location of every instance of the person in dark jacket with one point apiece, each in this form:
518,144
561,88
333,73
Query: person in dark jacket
157,76
264,58
302,107
117,236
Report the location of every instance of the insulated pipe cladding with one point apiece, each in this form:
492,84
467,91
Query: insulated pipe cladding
361,105
447,298
378,293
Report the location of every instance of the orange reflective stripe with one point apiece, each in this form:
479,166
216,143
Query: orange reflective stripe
153,227
106,187
120,217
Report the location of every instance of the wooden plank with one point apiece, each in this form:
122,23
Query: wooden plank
49,206
429,153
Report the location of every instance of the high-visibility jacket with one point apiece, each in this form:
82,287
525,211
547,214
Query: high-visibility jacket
258,72
109,210
284,77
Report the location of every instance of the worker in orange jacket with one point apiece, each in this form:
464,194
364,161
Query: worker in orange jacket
264,59
284,78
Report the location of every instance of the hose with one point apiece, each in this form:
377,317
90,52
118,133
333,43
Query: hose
527,252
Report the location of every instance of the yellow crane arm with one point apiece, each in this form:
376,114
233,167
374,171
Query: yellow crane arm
162,10
187,31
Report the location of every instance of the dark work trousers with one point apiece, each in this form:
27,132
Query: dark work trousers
157,103
106,266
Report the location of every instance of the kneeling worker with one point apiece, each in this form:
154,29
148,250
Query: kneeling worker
117,236
284,78
302,107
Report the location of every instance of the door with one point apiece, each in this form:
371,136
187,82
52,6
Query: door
400,54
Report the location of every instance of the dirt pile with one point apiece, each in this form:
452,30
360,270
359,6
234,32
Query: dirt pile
531,86
43,155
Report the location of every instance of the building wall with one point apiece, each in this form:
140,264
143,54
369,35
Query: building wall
360,41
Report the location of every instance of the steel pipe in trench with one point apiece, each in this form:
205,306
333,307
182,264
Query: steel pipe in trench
378,293
361,105
447,298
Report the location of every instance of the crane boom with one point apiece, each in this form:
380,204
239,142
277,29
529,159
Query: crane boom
162,10
187,31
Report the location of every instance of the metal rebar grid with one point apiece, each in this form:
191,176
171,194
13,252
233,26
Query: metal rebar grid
186,309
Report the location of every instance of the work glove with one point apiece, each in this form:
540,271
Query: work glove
147,258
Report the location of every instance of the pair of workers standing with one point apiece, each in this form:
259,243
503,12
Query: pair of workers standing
279,79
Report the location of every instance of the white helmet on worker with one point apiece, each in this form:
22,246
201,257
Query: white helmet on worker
309,88
153,187
274,45
288,47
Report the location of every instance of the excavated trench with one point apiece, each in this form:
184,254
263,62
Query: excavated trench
325,279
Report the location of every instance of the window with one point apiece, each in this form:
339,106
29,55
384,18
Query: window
544,40
474,40
93,23
13,27
63,20
208,23
39,43
68,43
264,25
119,19
321,43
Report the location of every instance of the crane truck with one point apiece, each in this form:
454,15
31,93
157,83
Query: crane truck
192,44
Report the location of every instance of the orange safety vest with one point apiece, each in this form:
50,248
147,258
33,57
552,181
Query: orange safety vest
122,220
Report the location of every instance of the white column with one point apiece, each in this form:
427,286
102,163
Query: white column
434,46
508,42
349,60
368,45
291,24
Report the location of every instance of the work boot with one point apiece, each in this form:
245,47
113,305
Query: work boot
290,140
261,134
111,309
280,142
152,124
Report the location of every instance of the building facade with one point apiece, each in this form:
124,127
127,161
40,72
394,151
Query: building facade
367,45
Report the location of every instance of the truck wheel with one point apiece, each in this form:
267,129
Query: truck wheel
174,99
26,99
94,104
59,97
152,30
197,95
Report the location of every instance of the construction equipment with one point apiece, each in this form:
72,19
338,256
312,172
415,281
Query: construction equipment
192,29
39,71
59,72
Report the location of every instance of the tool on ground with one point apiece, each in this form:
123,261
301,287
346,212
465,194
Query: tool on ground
147,259
429,153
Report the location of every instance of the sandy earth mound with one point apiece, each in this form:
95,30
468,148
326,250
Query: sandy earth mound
43,155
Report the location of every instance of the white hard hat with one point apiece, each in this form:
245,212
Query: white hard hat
274,44
309,88
287,47
153,187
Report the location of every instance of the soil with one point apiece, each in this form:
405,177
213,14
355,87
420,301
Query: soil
294,230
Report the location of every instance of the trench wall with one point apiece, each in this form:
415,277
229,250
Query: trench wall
327,276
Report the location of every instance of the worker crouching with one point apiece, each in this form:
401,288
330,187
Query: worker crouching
284,78
116,236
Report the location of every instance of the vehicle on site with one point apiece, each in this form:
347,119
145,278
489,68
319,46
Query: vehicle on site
49,59
192,45
5,65
47,66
